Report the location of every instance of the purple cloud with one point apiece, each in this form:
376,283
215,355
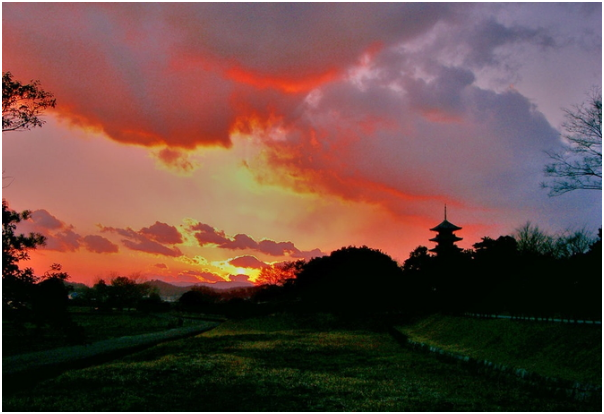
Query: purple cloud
99,244
144,240
162,233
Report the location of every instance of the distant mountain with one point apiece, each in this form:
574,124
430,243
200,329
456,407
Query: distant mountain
168,291
172,292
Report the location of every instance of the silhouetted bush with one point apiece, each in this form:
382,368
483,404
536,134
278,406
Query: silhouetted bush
199,299
351,280
153,303
49,302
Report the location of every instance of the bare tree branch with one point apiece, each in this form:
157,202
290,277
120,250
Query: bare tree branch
579,165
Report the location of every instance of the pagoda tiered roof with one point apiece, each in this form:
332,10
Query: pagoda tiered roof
446,226
446,238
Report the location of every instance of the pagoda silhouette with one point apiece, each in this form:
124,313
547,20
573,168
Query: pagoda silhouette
445,239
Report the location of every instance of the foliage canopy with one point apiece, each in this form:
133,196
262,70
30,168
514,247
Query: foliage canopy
23,104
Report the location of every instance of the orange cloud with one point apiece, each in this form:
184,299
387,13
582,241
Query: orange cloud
176,160
195,276
250,262
240,279
300,165
284,83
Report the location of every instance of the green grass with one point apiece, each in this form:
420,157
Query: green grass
567,351
97,326
281,363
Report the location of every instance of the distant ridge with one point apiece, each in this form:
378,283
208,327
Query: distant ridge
172,291
169,291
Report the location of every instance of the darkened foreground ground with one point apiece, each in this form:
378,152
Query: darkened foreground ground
571,352
96,326
284,363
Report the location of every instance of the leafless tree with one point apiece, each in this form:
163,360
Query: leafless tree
579,165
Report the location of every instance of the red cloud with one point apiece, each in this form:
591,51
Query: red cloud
307,255
248,262
99,244
206,234
188,64
284,83
240,279
176,160
277,249
59,235
240,242
197,277
152,247
65,241
162,233
148,239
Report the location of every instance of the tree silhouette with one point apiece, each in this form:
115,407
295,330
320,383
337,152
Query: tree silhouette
419,259
50,299
418,290
199,298
494,271
121,292
279,274
579,165
23,104
533,242
351,280
17,283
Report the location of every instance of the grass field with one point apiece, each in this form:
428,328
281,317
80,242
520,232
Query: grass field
97,327
559,350
281,363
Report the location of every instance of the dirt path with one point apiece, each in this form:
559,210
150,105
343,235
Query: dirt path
47,363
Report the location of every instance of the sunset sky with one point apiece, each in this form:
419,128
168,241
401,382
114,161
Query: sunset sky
199,142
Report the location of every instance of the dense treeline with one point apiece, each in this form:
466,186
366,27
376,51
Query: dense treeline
530,274
122,292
